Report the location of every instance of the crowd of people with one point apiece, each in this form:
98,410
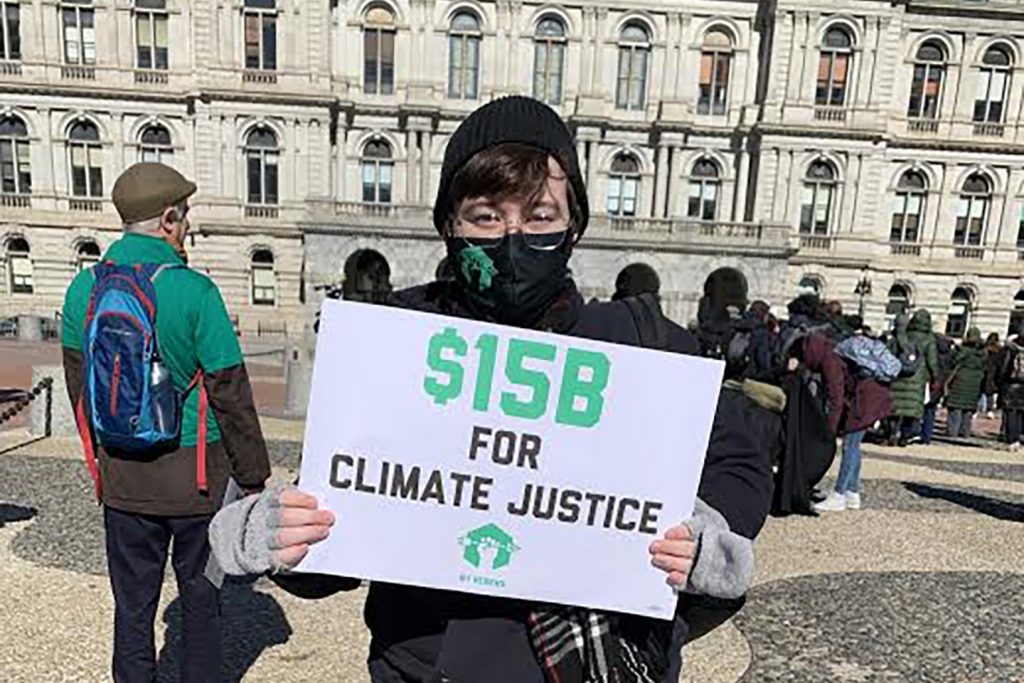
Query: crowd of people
826,375
174,446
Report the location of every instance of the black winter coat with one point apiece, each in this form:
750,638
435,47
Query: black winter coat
424,635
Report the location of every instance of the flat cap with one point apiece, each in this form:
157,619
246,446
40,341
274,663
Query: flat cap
146,189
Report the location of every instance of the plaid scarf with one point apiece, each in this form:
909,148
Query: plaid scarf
576,645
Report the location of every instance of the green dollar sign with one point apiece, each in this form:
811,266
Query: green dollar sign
449,339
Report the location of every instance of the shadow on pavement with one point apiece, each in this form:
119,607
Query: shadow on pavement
251,622
15,513
987,506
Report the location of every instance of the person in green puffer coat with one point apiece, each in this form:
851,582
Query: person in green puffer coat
963,389
908,392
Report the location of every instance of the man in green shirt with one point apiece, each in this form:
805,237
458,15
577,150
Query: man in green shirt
151,499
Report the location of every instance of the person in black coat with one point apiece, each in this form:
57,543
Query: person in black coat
511,205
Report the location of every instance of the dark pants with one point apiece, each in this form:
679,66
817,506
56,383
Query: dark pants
928,422
958,422
1012,418
137,548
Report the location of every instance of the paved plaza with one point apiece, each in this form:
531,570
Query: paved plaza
925,584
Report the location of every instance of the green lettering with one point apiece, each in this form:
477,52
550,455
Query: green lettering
518,351
591,390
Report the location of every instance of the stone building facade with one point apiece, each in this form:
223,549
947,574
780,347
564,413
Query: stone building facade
872,151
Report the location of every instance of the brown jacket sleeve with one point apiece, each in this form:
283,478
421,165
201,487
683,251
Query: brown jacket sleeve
73,374
230,396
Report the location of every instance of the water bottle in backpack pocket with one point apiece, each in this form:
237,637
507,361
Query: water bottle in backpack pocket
133,405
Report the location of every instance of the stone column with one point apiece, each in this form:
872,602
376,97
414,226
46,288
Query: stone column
411,195
659,204
425,146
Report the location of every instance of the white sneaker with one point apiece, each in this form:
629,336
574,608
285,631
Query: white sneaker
834,503
990,415
852,501
1014,447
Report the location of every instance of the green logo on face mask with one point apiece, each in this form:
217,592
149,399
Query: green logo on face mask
475,260
486,538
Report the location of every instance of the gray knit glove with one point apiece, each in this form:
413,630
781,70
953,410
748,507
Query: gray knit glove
243,535
724,566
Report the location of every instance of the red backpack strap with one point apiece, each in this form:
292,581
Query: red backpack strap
204,405
85,432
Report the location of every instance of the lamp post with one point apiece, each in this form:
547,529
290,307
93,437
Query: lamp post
862,290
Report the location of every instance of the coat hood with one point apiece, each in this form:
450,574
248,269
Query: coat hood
921,322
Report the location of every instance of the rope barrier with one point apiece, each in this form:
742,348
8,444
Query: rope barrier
27,397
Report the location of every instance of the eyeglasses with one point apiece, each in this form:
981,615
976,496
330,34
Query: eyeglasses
544,229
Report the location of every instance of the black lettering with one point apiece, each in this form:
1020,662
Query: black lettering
508,456
434,490
620,524
570,504
649,518
476,442
405,487
593,499
544,512
525,506
382,485
460,480
529,449
608,512
360,474
481,490
337,462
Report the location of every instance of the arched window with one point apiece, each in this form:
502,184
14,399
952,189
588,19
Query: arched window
260,23
464,38
704,189
1016,313
898,301
634,54
834,68
151,34
379,51
549,60
908,212
264,282
155,144
819,192
378,172
78,21
926,88
958,318
993,85
715,63
972,211
623,186
85,158
15,170
19,266
261,157
810,284
87,254
10,30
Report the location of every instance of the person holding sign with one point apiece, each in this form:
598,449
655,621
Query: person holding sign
511,205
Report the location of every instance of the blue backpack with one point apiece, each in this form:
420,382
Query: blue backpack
129,401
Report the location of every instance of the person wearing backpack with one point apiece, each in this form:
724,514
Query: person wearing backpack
1011,387
166,415
915,346
511,206
865,401
990,382
963,387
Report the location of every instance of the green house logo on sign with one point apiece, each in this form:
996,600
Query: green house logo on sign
486,538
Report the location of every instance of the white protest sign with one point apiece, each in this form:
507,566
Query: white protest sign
474,457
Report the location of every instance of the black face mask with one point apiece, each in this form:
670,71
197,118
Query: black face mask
513,280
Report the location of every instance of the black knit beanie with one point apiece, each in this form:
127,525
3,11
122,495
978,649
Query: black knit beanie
510,119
